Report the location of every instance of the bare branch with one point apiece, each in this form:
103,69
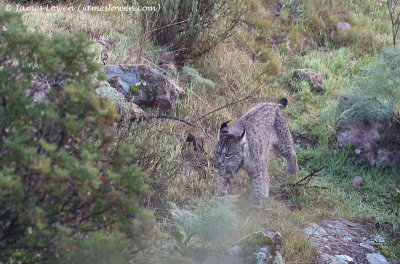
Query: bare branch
148,117
238,101
305,181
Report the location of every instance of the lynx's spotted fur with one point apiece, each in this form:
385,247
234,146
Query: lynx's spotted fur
247,145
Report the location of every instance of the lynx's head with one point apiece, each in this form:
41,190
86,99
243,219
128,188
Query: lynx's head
229,151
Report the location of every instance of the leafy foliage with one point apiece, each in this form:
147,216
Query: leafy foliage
376,91
57,180
191,28
192,72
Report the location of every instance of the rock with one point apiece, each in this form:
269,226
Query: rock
111,94
135,110
358,182
147,86
42,84
167,63
341,241
379,239
258,247
39,91
343,26
365,245
256,240
275,236
315,79
315,230
378,142
344,258
180,90
337,259
278,259
375,258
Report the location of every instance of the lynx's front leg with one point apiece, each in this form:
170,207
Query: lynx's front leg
291,164
222,186
259,186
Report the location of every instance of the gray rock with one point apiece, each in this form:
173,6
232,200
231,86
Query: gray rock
343,26
358,182
348,237
365,245
344,259
379,239
275,236
342,241
314,229
258,247
39,91
147,86
375,258
315,79
278,259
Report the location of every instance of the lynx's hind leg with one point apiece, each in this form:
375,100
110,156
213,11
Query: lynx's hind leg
284,144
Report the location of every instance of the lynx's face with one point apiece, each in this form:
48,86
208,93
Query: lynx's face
229,153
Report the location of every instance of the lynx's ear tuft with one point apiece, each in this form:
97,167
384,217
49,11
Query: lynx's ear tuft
283,102
224,127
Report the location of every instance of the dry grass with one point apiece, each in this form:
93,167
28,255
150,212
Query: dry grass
116,33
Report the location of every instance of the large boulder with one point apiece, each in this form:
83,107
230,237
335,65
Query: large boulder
315,79
147,86
375,142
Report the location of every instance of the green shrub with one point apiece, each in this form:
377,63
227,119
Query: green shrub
191,28
375,94
58,183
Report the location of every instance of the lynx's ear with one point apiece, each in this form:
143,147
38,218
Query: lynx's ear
224,127
283,103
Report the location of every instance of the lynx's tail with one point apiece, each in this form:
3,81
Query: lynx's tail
283,102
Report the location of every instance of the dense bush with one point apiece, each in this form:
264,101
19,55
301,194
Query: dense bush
58,180
376,92
191,28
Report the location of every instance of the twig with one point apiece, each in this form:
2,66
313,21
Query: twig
309,176
235,102
145,118
305,181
